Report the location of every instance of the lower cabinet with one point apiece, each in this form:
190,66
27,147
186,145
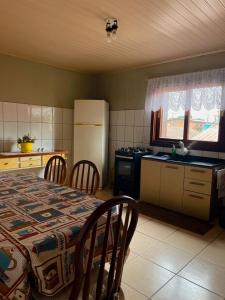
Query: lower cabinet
177,187
171,190
150,181
196,205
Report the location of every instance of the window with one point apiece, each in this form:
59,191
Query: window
188,108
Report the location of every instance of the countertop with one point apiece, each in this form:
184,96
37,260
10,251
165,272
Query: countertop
19,154
204,162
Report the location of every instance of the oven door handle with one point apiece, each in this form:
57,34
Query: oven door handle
124,157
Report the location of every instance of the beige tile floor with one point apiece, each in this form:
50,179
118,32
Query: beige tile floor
168,263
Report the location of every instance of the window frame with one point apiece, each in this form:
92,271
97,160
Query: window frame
155,139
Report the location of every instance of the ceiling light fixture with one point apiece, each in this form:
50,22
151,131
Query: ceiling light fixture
111,29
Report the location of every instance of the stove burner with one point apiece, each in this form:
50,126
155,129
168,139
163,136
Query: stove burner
132,149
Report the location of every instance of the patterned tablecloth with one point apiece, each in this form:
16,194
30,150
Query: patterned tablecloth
39,225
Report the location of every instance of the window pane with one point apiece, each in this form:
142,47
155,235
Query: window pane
172,124
204,125
205,114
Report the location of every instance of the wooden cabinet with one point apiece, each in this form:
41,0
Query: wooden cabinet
183,188
150,181
171,186
14,161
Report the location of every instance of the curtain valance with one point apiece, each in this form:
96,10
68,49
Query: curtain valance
197,90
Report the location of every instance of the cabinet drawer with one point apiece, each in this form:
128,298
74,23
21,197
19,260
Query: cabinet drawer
196,205
30,158
8,163
30,164
203,187
45,159
198,173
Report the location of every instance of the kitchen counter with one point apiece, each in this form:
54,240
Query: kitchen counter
35,153
203,162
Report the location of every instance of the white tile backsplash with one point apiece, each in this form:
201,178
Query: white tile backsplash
10,130
120,133
46,131
35,113
129,117
57,115
129,134
35,130
121,118
23,112
46,114
138,134
9,111
139,118
50,126
112,133
23,128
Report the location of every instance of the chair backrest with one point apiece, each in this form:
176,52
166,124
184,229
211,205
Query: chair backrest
85,177
55,170
115,236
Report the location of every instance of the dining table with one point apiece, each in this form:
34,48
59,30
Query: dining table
40,222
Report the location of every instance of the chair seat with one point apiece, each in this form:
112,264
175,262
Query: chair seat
65,293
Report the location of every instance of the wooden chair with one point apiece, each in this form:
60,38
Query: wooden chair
55,170
85,177
93,282
121,240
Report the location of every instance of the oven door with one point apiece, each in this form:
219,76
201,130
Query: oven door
124,174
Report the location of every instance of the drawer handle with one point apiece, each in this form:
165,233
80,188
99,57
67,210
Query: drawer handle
197,171
195,196
30,164
171,167
6,163
197,183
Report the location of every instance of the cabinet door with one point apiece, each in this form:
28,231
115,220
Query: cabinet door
150,181
171,191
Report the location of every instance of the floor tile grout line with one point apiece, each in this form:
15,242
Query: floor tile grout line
200,286
134,289
163,286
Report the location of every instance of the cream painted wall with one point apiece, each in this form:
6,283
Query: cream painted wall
32,83
126,89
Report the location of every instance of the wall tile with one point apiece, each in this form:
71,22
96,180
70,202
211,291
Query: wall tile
121,118
35,130
1,111
129,134
23,112
47,145
1,131
57,131
37,145
112,133
57,115
146,134
222,155
120,133
138,134
129,117
57,144
46,131
9,111
128,144
139,118
119,144
67,116
210,154
147,118
1,146
113,117
23,128
195,152
46,114
10,130
10,146
67,146
35,113
67,132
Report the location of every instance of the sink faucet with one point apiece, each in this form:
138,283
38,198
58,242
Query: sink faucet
182,150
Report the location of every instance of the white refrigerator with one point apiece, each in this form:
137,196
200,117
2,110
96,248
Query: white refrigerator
91,126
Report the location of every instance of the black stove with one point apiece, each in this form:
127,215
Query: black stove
127,170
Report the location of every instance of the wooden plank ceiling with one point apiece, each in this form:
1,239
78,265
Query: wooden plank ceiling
71,34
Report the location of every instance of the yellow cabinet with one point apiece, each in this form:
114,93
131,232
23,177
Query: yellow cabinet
150,181
172,185
9,163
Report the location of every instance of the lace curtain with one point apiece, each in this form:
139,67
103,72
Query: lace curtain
187,91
